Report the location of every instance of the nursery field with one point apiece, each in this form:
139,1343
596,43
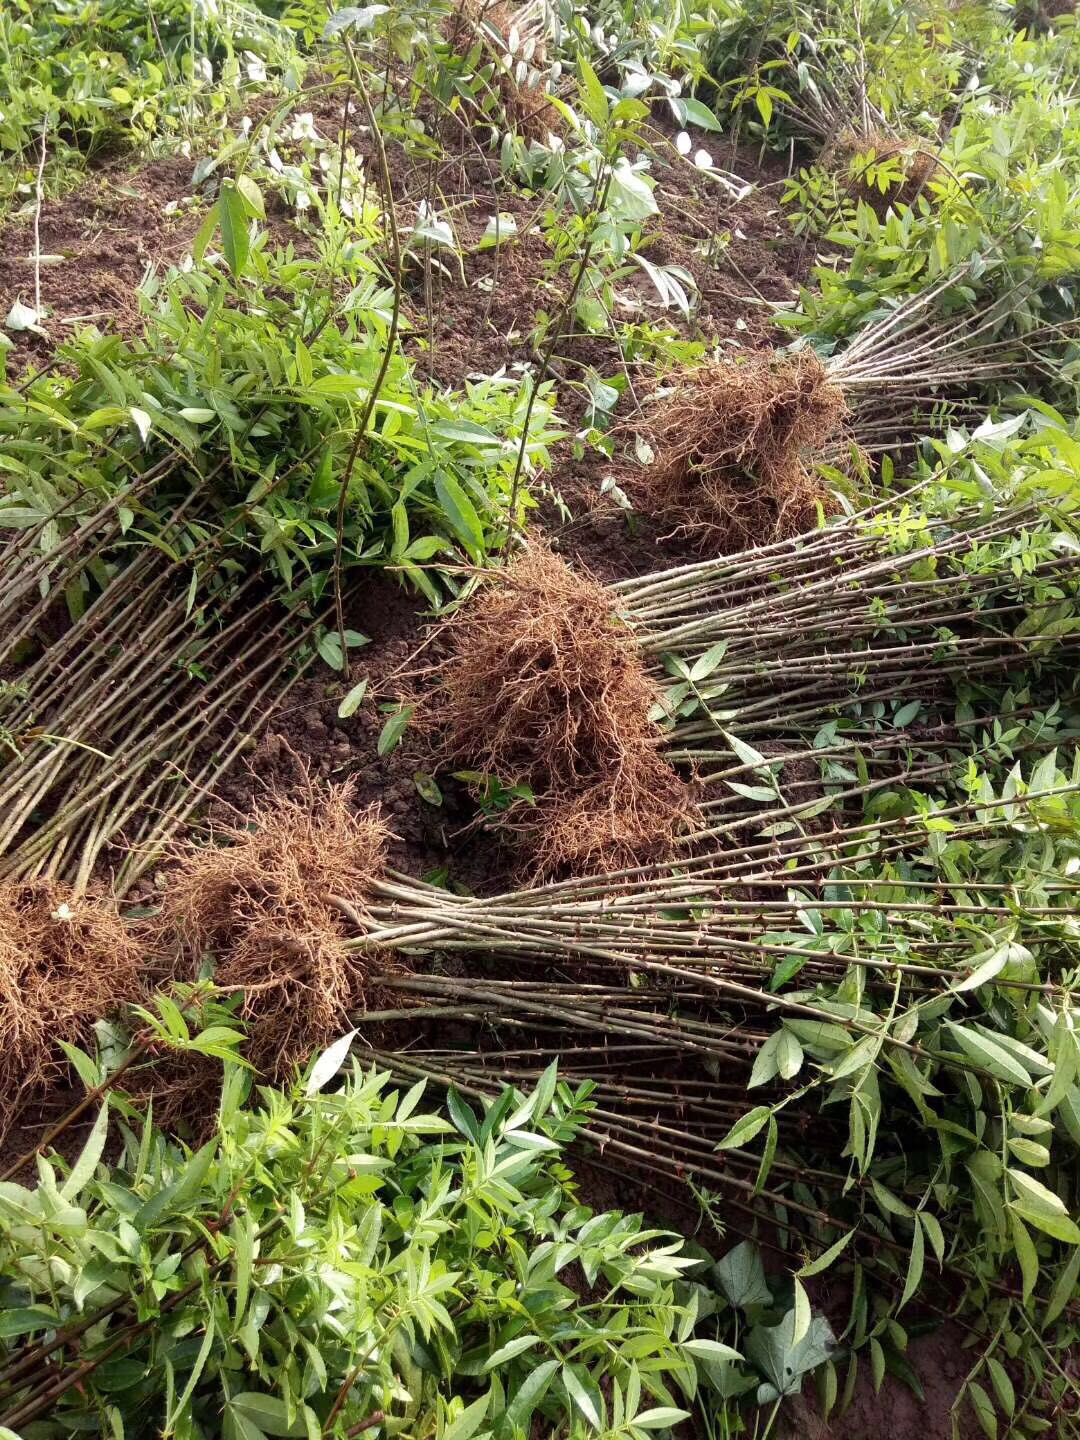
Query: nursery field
539,719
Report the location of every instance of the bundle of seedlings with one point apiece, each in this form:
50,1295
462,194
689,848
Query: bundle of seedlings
735,445
118,722
66,960
881,169
544,688
502,50
888,607
740,1038
737,442
258,902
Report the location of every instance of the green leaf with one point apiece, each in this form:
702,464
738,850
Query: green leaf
984,1408
993,1058
741,1276
825,1259
393,730
469,1421
460,514
1003,1386
268,1412
583,1392
591,94
353,700
986,971
427,788
529,1394
915,1265
252,196
510,1350
784,1361
710,1350
86,1164
232,213
661,1417
1064,1291
744,1129
25,1321
695,113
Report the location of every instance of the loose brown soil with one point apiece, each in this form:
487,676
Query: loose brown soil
98,242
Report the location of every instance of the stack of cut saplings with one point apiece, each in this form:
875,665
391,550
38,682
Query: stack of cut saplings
256,904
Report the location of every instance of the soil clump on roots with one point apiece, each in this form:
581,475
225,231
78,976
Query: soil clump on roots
544,687
261,905
66,960
734,443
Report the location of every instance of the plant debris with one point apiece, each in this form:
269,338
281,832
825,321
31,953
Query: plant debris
734,444
545,688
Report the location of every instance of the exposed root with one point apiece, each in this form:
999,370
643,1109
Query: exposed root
544,687
856,157
259,906
487,23
65,962
733,442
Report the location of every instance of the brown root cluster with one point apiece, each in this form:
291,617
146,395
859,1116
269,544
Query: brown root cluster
260,906
65,962
544,687
918,167
733,444
527,112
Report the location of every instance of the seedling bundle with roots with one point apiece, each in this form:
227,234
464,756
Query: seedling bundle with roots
514,97
65,961
737,442
853,156
735,445
261,906
545,687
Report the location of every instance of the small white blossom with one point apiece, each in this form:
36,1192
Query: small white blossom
256,69
63,912
204,70
683,143
702,159
303,127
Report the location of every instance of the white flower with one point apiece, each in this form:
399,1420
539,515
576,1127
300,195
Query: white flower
63,912
303,200
245,126
204,70
256,69
683,143
702,159
303,127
